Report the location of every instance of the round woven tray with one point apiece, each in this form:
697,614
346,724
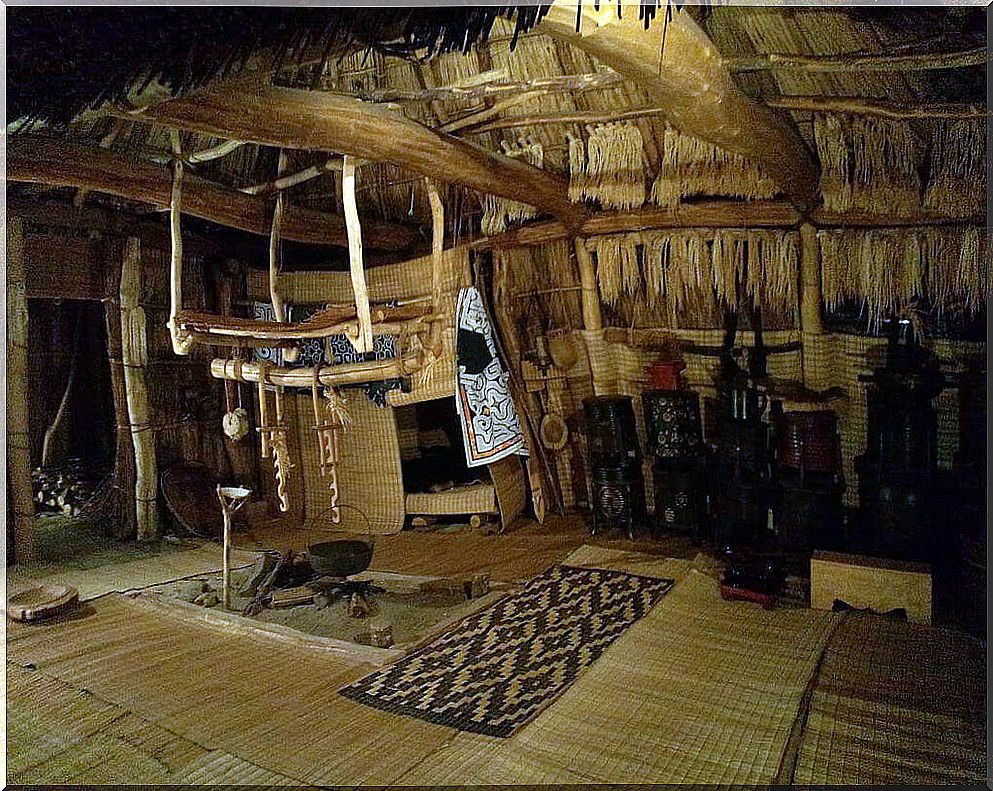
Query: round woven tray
41,601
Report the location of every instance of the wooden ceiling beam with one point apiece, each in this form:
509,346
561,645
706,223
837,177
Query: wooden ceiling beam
687,77
54,163
855,105
923,61
315,121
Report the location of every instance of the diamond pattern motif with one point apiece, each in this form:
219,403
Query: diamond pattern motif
497,669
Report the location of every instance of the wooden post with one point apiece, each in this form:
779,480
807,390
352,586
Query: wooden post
592,315
18,447
290,354
124,470
811,319
364,341
437,254
182,342
134,352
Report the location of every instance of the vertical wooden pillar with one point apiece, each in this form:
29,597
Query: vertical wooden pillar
18,447
592,315
124,472
134,352
811,318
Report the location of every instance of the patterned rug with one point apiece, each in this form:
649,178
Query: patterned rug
496,670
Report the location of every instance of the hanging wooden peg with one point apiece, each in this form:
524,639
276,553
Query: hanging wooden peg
330,418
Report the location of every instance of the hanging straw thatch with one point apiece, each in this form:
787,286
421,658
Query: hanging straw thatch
694,167
720,267
497,211
888,269
612,169
867,163
957,181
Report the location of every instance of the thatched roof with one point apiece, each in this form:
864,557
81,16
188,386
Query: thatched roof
63,61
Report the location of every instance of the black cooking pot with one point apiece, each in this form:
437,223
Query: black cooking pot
340,558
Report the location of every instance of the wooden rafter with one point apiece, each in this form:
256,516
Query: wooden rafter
689,79
310,120
853,105
40,160
923,61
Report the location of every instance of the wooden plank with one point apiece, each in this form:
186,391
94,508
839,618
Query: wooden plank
876,583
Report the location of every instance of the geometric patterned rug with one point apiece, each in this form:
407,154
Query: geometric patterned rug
495,671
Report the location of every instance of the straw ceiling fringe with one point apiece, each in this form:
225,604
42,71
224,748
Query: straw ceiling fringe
612,168
889,268
867,163
958,167
498,212
694,167
681,266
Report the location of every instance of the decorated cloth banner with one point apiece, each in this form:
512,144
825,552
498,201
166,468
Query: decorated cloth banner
491,429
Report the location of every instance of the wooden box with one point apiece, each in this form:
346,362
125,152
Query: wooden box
865,582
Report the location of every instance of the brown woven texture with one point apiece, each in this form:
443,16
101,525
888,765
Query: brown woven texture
370,478
699,691
478,498
896,704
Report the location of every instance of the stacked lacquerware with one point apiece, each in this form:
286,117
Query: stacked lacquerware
618,486
675,440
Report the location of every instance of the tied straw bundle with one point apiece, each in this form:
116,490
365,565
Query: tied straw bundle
867,163
611,169
957,181
691,166
498,212
888,269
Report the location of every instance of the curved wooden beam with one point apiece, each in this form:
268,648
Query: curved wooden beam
690,80
56,163
316,121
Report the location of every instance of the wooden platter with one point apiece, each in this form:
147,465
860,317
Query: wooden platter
42,601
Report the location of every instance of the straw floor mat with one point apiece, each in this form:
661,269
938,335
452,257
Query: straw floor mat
896,703
496,670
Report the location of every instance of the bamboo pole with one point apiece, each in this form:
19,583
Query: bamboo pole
18,447
134,351
363,341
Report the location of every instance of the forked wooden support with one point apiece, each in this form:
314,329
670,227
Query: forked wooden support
363,342
182,341
291,354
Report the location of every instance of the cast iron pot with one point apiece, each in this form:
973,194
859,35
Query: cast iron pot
341,557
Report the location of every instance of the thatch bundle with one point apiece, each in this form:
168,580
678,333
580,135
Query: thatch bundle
540,277
680,268
694,167
498,212
612,168
957,182
867,163
889,268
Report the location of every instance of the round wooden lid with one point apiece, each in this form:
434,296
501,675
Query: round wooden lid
41,601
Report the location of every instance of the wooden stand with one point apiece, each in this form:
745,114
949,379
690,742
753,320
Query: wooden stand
231,498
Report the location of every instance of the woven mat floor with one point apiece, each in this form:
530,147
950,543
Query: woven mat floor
896,703
699,691
127,575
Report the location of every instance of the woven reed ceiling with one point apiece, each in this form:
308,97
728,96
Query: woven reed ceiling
389,193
